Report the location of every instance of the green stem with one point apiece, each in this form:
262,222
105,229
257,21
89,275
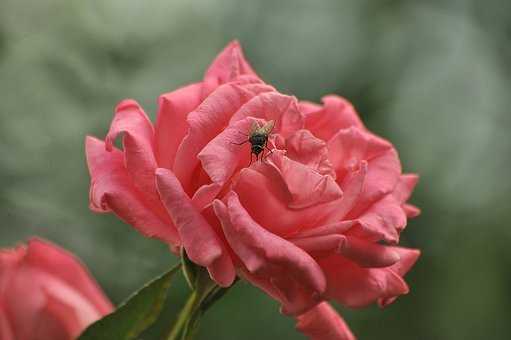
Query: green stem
205,292
184,315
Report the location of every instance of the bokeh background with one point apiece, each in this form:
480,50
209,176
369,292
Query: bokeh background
434,77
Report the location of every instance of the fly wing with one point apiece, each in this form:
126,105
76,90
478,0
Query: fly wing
266,128
253,128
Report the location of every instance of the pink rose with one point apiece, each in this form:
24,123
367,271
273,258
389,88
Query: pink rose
317,219
46,293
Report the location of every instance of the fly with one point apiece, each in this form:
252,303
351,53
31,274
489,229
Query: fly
258,138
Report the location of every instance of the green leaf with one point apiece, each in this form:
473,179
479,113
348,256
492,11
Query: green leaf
135,314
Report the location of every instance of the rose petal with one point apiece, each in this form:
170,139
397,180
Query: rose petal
307,187
403,191
410,210
320,246
6,332
337,114
405,186
408,258
382,221
171,124
221,156
265,195
368,254
304,148
22,314
352,186
282,109
58,320
199,239
138,143
294,299
290,270
348,147
31,317
9,260
364,253
65,266
327,229
382,176
323,323
227,66
206,122
376,208
307,107
205,195
333,213
112,190
354,286
67,308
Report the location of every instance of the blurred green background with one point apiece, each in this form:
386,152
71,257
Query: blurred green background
434,77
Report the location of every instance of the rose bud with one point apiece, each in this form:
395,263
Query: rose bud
46,293
316,218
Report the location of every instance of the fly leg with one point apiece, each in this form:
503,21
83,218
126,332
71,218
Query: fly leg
267,148
240,143
250,159
271,151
